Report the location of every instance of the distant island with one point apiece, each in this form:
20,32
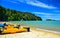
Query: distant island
13,15
50,20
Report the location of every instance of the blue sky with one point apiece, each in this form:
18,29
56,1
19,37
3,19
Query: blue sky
46,9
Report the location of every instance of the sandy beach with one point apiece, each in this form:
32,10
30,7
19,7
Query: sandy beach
32,34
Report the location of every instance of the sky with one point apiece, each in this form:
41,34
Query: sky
46,9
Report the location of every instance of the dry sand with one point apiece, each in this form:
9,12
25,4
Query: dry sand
32,34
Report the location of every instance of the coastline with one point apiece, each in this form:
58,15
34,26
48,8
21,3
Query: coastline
47,30
3,22
34,28
34,33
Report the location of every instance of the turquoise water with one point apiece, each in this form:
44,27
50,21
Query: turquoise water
49,25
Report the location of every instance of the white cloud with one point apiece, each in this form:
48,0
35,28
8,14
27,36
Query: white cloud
48,15
11,1
42,13
34,3
38,3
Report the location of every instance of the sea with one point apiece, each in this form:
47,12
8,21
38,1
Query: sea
48,25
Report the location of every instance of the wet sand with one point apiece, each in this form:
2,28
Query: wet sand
34,33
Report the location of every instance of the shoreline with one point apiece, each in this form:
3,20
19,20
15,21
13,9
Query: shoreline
34,33
35,28
49,31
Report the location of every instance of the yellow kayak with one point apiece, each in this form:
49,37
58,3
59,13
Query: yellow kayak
11,29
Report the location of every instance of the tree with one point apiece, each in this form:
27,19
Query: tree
13,15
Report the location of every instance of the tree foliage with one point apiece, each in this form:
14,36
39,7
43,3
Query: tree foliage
13,15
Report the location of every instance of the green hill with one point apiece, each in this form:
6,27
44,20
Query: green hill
13,15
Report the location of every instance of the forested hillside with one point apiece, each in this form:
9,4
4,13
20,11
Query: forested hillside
13,15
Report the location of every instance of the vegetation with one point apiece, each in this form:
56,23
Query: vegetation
13,15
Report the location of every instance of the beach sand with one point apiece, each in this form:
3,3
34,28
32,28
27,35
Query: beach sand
32,34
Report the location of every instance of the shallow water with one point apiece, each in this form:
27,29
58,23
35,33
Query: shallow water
49,25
